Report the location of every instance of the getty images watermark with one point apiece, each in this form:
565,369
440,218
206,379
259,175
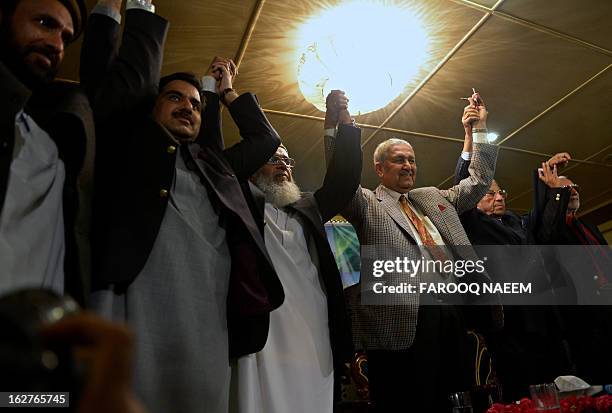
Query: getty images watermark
458,268
481,275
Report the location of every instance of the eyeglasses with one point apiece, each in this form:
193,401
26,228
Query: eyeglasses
277,160
501,192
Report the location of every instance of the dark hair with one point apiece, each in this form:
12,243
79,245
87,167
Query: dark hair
7,7
188,77
76,8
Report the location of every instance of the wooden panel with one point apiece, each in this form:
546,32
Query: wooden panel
201,30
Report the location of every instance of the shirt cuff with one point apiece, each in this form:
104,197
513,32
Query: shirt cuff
209,84
108,11
480,137
140,4
331,132
466,156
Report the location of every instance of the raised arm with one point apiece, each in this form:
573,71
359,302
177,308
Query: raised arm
344,162
357,204
211,129
462,169
128,79
470,116
466,194
100,44
551,198
211,132
259,139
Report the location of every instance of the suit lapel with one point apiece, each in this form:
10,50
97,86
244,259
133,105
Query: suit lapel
306,207
392,208
259,198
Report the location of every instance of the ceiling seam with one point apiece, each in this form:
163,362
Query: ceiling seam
582,213
312,117
362,125
435,70
471,4
577,162
512,134
552,32
569,168
598,206
246,38
431,136
557,103
535,26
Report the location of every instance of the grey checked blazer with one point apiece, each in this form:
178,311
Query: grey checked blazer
379,221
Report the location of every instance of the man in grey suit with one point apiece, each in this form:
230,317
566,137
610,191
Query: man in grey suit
403,335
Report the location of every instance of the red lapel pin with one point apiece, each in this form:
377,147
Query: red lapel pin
441,207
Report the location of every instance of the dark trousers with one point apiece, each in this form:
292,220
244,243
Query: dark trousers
530,349
590,337
420,378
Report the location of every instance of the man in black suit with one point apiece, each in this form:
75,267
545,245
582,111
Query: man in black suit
589,326
531,348
177,252
310,337
558,201
45,167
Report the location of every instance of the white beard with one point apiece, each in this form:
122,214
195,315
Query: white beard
279,194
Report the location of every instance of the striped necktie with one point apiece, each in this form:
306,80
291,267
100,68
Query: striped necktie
426,238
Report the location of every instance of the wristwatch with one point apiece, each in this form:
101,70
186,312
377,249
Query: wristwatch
225,92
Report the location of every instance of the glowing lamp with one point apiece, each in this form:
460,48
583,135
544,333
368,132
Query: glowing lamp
371,50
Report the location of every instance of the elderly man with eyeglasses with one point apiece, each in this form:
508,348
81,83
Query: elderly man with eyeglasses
532,347
309,338
479,222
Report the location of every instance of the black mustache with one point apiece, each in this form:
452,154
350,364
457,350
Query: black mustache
49,52
182,113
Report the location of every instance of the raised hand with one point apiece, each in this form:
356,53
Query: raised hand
214,69
560,160
336,109
548,175
475,114
224,71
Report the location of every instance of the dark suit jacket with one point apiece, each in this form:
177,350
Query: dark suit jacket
314,210
550,211
589,327
63,111
485,230
136,162
512,230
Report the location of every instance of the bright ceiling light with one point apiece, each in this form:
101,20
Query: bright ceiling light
370,49
492,137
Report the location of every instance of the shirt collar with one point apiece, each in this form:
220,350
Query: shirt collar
394,194
23,119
